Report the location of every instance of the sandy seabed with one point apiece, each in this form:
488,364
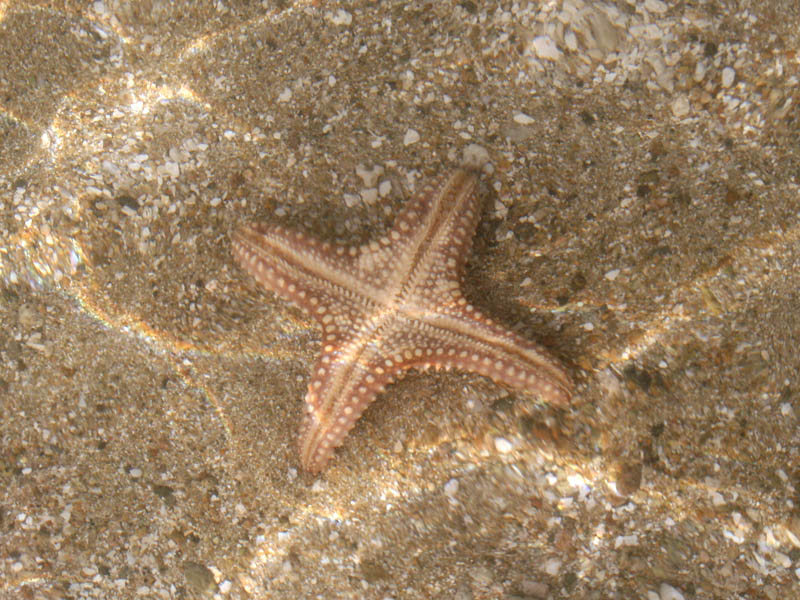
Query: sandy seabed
640,219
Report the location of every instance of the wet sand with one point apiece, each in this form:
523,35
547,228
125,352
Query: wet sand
639,219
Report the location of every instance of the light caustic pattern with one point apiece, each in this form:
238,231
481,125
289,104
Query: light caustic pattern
39,246
68,157
60,163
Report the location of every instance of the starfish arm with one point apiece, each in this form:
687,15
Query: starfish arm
461,337
345,380
433,231
312,274
348,376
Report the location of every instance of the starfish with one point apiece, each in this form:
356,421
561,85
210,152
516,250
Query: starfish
392,304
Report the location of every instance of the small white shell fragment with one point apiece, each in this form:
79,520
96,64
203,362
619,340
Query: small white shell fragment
782,559
552,567
626,540
369,195
285,95
667,592
680,106
523,119
411,137
604,34
728,75
655,6
699,71
502,445
546,48
369,176
341,17
384,188
571,40
475,156
612,274
172,169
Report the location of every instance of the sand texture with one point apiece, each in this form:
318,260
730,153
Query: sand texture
640,219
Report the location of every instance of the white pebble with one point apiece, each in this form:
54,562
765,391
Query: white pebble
667,592
475,156
552,567
285,95
369,195
172,169
782,559
502,445
384,188
523,119
736,539
225,587
111,168
135,472
604,34
680,106
728,75
571,40
546,48
411,137
626,540
612,274
534,589
451,487
699,71
341,17
655,6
